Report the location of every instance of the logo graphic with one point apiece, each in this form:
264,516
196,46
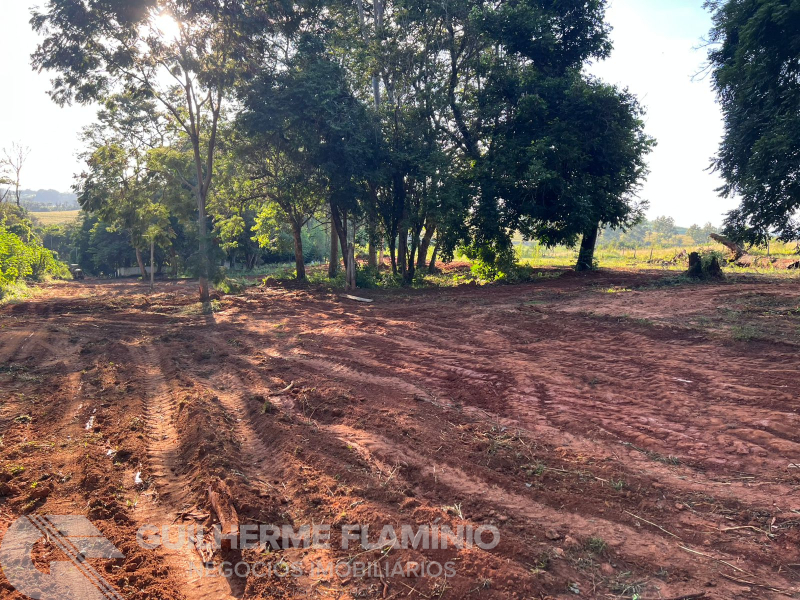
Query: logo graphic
77,538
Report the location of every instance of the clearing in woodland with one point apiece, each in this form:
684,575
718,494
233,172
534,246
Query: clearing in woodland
630,435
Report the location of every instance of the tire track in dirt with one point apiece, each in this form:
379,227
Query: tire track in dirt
264,463
16,356
634,542
530,404
336,369
522,375
545,416
265,468
562,429
229,385
382,453
13,341
171,489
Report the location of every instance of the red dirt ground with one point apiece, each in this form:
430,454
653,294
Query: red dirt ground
631,436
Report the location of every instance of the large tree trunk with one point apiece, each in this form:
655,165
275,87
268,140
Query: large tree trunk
152,264
202,233
333,265
299,261
424,246
586,254
140,260
174,261
393,254
402,249
340,221
432,267
372,234
412,255
411,266
351,266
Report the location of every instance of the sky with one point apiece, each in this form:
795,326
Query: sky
655,55
28,115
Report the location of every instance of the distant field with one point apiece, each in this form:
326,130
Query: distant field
56,218
671,258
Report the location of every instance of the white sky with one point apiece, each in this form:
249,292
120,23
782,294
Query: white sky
654,55
26,112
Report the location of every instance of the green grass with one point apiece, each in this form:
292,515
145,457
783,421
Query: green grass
596,545
663,259
14,293
655,258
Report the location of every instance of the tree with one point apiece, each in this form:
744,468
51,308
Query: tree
457,76
13,161
314,122
280,192
600,146
119,184
184,55
509,70
6,182
664,227
697,234
754,56
708,229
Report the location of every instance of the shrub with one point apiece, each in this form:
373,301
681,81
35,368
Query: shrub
368,278
21,260
231,286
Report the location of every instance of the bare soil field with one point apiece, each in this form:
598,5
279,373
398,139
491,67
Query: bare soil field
631,436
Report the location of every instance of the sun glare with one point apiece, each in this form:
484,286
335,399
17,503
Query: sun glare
167,26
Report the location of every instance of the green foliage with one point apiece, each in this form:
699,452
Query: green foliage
664,227
596,545
503,267
368,278
707,257
450,125
231,286
20,260
754,53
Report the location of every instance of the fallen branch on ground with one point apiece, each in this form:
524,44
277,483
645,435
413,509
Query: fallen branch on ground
726,529
219,494
727,564
288,388
653,524
356,298
760,585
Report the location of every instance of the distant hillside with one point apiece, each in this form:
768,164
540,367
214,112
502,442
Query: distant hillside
48,200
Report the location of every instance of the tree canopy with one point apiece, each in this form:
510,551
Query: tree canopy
450,125
754,55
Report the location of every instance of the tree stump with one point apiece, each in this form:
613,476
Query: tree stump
695,265
697,270
714,270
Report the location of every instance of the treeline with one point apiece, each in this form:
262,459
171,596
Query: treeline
660,232
423,128
48,200
100,248
22,255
